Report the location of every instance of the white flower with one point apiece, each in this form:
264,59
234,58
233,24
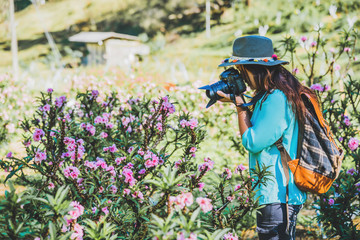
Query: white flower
351,21
278,18
317,27
238,33
332,11
292,32
263,30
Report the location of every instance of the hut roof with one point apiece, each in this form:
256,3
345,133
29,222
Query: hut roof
95,37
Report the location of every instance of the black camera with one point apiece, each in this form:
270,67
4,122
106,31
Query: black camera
230,82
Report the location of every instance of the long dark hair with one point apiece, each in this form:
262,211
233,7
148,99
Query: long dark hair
278,77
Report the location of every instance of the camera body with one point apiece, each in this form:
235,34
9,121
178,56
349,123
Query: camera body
230,82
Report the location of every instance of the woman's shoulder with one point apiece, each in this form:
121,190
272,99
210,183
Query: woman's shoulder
276,95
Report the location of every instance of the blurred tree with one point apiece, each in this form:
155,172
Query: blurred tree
21,4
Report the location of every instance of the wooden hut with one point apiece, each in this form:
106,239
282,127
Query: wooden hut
110,48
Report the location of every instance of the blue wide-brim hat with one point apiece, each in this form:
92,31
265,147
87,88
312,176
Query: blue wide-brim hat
253,49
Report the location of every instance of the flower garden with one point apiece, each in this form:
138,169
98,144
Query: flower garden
109,155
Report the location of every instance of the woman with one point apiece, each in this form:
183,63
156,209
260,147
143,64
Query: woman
277,114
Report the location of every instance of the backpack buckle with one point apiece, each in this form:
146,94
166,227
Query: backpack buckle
279,144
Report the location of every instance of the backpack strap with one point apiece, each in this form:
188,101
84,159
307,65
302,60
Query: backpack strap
285,158
319,114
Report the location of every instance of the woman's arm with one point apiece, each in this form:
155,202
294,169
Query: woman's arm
243,119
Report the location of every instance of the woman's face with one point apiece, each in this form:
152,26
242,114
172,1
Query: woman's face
249,77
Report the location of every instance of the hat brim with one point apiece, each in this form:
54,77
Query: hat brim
246,62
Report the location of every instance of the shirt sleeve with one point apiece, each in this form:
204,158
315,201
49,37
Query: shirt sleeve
270,123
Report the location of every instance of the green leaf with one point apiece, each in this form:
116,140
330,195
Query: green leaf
52,231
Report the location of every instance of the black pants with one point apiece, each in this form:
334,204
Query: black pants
271,221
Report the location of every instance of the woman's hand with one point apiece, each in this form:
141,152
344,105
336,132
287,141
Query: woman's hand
226,98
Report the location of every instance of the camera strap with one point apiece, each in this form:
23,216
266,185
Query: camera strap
253,101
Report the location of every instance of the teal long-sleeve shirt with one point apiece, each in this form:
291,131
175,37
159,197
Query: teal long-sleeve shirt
274,119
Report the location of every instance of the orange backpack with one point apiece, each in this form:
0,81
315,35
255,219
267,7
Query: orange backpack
319,159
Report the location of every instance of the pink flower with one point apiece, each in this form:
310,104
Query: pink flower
178,163
230,236
193,149
193,123
185,199
103,135
303,38
180,236
142,171
130,149
228,173
95,93
9,155
60,101
193,236
50,90
141,152
129,176
152,160
183,123
347,121
353,144
94,209
337,67
38,134
101,189
351,171
113,148
39,157
317,86
230,198
326,88
205,204
46,108
78,210
331,201
208,165
240,168
126,191
27,144
72,172
105,210
113,189
159,126
295,71
347,49
313,44
119,160
90,128
125,121
138,194
98,120
51,185
201,186
237,187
